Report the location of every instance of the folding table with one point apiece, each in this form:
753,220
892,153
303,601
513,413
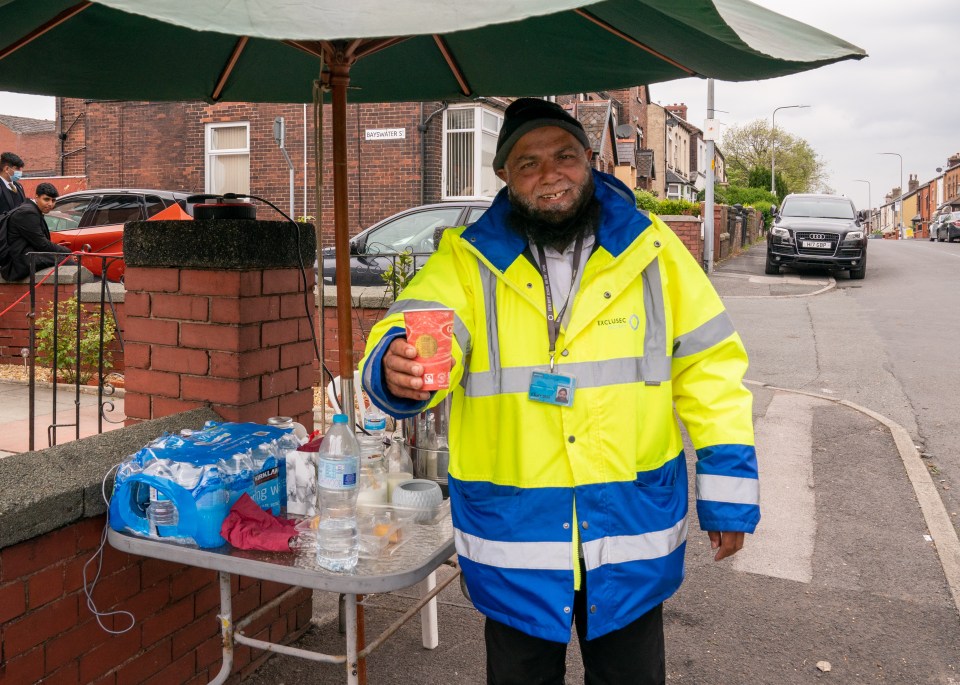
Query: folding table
413,563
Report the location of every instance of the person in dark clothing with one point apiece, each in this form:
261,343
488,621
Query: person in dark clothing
27,232
11,192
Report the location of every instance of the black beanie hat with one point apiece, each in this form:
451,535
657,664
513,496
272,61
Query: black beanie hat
527,114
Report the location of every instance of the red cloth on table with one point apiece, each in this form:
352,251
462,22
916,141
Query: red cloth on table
247,526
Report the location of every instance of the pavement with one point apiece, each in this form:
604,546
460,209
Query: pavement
61,414
852,576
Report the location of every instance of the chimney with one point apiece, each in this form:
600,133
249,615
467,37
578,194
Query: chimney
953,160
913,183
678,110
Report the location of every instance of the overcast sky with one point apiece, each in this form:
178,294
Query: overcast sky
901,98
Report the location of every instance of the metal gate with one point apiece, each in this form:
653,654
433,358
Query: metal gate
75,338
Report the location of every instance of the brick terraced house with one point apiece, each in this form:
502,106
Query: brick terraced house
399,154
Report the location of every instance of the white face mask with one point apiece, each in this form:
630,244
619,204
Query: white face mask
17,175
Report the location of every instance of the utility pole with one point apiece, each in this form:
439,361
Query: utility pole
710,133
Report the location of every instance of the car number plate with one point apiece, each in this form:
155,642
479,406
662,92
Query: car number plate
817,244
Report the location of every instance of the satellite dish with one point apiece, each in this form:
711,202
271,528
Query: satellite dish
624,131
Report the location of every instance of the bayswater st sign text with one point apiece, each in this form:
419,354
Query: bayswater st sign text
386,133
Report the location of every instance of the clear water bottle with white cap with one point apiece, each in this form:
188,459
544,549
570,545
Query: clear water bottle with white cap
374,421
161,512
338,468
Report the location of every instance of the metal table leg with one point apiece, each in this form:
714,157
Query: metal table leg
350,606
226,628
428,615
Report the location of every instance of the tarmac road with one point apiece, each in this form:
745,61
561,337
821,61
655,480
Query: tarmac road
851,564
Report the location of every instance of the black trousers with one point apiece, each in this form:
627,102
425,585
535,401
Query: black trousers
633,655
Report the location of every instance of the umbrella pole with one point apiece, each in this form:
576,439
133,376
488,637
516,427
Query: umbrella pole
339,79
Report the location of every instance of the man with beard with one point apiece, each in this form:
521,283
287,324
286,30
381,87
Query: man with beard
573,512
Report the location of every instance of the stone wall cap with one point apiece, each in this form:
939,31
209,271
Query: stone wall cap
667,218
219,244
47,489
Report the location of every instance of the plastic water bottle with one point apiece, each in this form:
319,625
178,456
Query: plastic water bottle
161,512
289,442
338,465
299,432
374,421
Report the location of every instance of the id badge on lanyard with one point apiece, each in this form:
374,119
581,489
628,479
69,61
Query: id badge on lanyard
547,386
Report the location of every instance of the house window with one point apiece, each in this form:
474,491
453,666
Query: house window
228,158
469,146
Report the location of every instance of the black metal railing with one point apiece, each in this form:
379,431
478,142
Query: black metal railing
75,338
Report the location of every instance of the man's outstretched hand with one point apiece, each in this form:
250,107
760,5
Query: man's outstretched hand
727,543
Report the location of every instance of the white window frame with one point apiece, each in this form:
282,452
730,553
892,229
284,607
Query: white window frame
208,153
478,131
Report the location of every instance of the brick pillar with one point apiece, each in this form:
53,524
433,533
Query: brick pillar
216,317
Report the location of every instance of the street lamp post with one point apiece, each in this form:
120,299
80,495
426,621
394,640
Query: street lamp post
900,219
869,200
773,145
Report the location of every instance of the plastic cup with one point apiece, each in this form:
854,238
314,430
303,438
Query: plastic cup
431,332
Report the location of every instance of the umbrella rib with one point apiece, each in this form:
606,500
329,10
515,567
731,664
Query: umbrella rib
43,28
452,64
313,48
633,41
373,46
228,69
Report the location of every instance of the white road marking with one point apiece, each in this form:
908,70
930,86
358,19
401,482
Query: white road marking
783,544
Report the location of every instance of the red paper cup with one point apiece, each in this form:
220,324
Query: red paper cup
431,332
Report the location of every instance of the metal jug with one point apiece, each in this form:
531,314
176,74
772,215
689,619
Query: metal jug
426,436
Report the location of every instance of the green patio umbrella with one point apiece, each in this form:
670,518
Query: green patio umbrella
390,50
215,51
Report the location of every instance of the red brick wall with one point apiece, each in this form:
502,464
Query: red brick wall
161,145
688,229
237,341
38,150
363,321
70,115
48,634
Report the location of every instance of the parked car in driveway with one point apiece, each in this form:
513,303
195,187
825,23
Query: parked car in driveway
948,227
96,218
817,231
373,250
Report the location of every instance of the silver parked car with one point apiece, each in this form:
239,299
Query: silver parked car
372,251
947,227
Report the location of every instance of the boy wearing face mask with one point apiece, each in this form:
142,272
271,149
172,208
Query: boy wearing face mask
11,192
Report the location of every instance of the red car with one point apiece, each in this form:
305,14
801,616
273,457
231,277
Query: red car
95,218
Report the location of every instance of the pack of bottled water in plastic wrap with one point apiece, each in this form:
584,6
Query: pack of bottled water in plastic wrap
181,486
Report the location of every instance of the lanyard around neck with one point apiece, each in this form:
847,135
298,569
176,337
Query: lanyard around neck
553,324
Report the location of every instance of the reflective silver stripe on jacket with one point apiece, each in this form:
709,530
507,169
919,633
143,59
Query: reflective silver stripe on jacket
548,556
459,329
588,374
653,367
728,489
704,336
620,549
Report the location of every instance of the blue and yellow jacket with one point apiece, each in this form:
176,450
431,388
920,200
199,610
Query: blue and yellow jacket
530,482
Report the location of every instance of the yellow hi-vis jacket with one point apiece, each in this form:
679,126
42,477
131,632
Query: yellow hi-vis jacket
529,481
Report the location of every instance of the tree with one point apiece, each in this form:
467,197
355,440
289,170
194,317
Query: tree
760,178
746,149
